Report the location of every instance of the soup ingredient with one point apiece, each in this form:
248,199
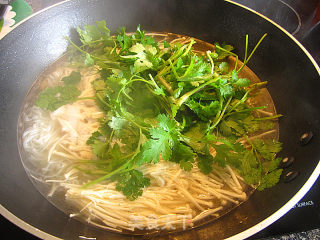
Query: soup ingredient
166,101
55,97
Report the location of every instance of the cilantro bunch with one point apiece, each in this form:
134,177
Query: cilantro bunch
167,101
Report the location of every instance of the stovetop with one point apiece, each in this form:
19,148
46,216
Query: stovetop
303,217
300,18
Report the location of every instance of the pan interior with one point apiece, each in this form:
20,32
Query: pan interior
47,177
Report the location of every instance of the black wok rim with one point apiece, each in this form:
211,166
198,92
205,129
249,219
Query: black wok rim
242,235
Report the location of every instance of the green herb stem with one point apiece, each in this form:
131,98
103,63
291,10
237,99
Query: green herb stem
245,110
184,97
173,70
165,84
192,41
84,52
154,82
246,49
231,53
254,49
122,168
103,101
269,118
86,98
221,114
211,61
109,175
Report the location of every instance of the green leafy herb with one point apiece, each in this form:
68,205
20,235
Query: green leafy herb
55,97
270,179
162,142
165,101
73,79
205,163
131,183
91,33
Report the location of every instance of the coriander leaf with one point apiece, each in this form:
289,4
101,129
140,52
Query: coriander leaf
252,176
250,124
131,183
166,44
141,65
168,124
266,125
184,155
94,136
153,58
73,79
55,97
125,132
270,179
197,68
223,51
242,82
221,154
227,152
226,155
99,85
224,67
225,129
99,148
101,25
234,76
226,90
143,57
91,33
104,128
185,165
195,136
206,110
205,162
124,40
250,169
153,148
267,148
236,127
159,91
174,109
89,61
138,48
116,156
118,123
162,140
145,40
271,165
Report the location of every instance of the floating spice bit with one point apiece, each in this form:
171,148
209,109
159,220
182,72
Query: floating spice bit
290,176
305,138
286,162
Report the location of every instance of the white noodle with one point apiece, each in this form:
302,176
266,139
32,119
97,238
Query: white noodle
174,198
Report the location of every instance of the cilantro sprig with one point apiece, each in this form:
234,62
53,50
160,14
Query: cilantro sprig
166,101
55,97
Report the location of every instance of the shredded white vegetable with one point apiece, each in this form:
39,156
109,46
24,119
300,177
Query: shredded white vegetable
175,198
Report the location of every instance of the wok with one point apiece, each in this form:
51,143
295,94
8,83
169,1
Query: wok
292,74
